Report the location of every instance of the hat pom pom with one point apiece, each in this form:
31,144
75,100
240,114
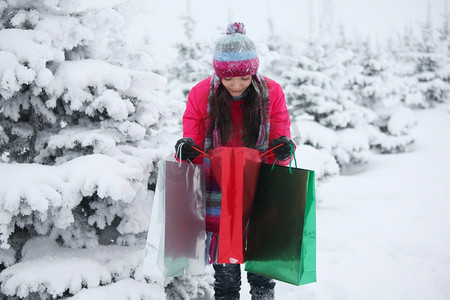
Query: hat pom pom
236,27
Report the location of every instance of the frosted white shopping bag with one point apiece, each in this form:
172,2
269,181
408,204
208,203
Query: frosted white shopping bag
176,236
154,249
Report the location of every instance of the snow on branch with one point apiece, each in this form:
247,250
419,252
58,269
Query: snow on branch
48,269
347,146
32,193
73,78
124,289
30,46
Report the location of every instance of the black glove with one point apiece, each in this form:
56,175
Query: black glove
185,151
283,152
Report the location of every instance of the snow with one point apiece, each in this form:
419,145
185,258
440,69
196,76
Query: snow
317,135
77,76
384,233
46,265
320,161
99,120
354,147
67,32
401,121
126,289
381,234
68,138
50,192
414,99
8,61
345,147
31,46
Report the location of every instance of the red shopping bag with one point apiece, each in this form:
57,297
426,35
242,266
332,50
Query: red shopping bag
236,170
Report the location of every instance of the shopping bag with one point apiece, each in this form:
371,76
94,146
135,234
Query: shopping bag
153,264
236,170
176,236
281,242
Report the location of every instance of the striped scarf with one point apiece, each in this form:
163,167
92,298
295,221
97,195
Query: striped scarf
213,192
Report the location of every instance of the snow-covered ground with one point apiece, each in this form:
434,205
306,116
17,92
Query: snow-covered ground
384,233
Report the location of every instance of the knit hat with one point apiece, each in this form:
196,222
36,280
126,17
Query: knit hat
235,54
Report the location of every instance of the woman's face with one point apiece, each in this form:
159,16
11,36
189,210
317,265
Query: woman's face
237,85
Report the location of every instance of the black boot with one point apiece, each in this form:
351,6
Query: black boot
227,281
261,288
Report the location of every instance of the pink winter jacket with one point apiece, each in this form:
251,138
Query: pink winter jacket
195,115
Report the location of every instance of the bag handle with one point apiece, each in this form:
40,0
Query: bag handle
292,155
261,155
270,150
201,152
290,160
179,154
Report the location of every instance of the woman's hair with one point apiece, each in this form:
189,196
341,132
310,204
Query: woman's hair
220,113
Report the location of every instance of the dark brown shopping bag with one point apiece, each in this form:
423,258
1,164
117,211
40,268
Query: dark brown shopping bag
281,240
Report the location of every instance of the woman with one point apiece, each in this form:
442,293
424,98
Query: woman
235,107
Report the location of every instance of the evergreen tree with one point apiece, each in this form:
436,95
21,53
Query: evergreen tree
444,47
309,89
192,63
428,86
444,31
345,88
312,88
77,131
370,86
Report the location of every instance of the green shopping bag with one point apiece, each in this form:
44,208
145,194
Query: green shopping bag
281,240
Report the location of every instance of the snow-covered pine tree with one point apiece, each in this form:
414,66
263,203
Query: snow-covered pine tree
313,93
376,87
369,85
308,87
192,63
276,53
444,47
339,93
444,29
78,141
427,84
